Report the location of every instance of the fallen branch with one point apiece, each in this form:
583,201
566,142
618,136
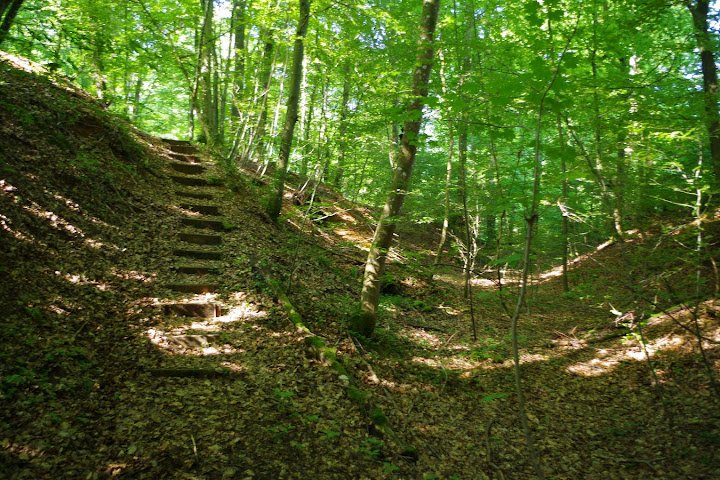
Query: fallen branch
328,355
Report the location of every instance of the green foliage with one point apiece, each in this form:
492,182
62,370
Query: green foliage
371,448
490,349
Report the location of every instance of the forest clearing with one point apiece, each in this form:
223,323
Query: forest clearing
234,252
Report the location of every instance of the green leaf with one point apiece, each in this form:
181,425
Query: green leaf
493,396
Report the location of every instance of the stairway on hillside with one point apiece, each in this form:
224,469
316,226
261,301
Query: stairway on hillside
199,252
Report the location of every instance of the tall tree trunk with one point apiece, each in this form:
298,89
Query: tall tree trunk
257,140
699,10
342,144
278,105
136,104
364,321
238,22
208,109
448,167
322,153
291,116
98,64
8,11
564,209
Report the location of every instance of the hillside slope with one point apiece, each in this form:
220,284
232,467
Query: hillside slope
102,377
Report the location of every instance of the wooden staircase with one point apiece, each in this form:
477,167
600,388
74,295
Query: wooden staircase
199,251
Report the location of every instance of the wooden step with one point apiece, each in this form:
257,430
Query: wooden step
196,310
198,195
200,239
192,287
204,209
172,141
191,181
185,158
214,225
184,149
197,270
199,254
189,168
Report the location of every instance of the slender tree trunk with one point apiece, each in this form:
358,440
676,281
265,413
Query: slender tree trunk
238,20
322,155
98,64
257,139
342,144
565,188
364,321
278,106
208,110
136,98
448,168
597,166
8,11
307,130
275,203
699,10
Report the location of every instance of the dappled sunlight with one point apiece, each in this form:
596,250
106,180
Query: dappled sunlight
423,337
205,336
80,279
5,223
355,237
609,359
184,211
144,277
456,363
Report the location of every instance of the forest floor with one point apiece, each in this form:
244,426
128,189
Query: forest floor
89,223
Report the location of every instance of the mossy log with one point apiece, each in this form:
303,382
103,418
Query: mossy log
328,356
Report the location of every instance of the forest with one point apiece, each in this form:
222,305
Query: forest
359,239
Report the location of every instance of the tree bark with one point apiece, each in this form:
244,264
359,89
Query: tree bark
291,116
208,110
239,56
8,11
699,10
448,169
564,211
340,172
364,322
258,136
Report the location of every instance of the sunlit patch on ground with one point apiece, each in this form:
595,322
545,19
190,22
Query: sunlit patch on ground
80,279
5,223
607,360
145,277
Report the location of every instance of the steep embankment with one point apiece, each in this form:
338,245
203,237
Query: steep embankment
139,342
109,365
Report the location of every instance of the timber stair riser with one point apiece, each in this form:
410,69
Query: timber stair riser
172,142
203,209
198,196
192,310
214,225
193,181
189,168
184,149
197,270
200,239
185,158
193,288
199,254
